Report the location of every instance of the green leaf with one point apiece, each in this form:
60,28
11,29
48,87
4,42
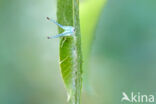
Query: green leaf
90,11
70,49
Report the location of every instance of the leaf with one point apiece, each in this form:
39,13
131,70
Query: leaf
70,49
90,11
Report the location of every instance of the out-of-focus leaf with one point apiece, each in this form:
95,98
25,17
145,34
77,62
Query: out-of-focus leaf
90,11
89,14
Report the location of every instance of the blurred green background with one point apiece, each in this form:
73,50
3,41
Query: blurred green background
122,57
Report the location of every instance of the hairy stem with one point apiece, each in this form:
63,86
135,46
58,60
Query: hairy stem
70,49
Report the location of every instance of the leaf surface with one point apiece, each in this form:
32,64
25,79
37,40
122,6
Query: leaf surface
70,49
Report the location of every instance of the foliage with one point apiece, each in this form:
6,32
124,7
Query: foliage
70,49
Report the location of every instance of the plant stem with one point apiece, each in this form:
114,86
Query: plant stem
70,49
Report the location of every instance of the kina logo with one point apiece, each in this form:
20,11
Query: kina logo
137,98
